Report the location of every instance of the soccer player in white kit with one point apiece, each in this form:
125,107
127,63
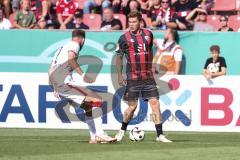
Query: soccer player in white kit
63,83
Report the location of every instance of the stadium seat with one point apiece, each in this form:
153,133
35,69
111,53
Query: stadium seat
234,22
214,21
122,18
92,20
224,5
147,19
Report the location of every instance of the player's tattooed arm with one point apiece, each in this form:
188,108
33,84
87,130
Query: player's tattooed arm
72,60
119,63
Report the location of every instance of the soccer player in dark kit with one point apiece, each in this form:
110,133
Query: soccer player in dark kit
136,45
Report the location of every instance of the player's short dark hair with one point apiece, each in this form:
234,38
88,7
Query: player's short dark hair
135,14
215,48
78,33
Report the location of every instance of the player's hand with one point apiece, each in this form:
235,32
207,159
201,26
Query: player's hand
56,94
116,2
124,3
150,3
144,6
87,79
182,26
121,80
163,21
208,76
63,26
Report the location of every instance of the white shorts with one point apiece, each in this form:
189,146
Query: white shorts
73,91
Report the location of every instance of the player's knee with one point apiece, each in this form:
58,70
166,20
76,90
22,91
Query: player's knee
97,103
131,109
154,102
89,112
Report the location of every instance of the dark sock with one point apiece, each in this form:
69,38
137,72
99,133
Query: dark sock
159,129
124,126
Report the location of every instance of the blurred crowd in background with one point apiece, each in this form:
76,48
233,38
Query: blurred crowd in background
108,15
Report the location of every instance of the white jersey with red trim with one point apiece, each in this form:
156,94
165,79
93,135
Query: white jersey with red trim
61,56
60,69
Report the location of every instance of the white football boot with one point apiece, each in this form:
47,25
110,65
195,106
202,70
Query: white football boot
104,138
162,138
119,136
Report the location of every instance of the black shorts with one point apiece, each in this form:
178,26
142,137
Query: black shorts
146,89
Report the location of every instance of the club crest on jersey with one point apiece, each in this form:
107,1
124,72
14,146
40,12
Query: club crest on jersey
146,37
132,40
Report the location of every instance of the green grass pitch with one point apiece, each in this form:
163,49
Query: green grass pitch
52,144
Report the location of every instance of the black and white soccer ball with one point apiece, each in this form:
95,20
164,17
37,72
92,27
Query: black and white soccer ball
213,68
136,134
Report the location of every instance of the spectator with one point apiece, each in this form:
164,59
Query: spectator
53,19
15,5
173,1
224,24
200,22
136,5
6,4
40,9
50,25
43,15
109,22
168,57
77,23
4,23
145,5
216,65
143,24
153,13
183,8
88,5
161,15
207,4
132,5
65,12
24,18
116,6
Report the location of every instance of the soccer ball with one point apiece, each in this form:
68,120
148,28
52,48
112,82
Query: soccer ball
136,134
213,68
